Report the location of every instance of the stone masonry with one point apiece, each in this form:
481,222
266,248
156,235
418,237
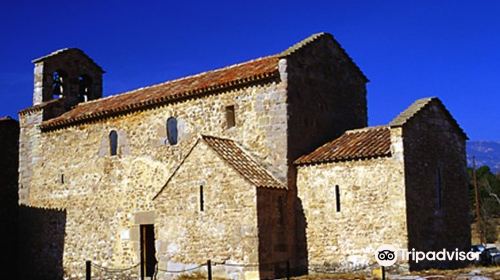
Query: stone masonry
228,229
9,141
126,183
406,188
435,154
210,161
372,207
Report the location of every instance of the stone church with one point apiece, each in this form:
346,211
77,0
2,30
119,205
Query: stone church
258,166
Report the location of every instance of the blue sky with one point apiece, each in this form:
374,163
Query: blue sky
408,49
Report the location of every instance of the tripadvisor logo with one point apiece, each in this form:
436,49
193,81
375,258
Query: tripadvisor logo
387,255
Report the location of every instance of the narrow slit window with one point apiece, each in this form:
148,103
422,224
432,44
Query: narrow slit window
113,142
230,116
202,199
439,188
172,133
337,197
62,179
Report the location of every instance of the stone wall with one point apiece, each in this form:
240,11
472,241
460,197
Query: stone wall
372,210
326,96
239,223
29,151
272,221
103,194
321,94
9,138
435,148
225,231
41,243
72,64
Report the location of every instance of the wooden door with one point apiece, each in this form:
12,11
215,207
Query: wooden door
148,259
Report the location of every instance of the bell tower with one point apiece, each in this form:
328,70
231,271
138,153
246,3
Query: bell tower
67,75
63,79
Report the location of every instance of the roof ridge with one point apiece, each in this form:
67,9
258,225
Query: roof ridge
290,50
187,77
365,129
100,99
411,111
63,50
317,36
235,75
58,51
417,106
303,43
41,105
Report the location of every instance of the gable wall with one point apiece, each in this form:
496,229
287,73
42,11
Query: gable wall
372,208
431,143
225,231
326,96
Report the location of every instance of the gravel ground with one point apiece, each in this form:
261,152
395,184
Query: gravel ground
471,273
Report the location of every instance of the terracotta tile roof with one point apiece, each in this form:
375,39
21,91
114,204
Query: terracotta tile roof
365,143
258,70
419,105
207,82
41,106
242,162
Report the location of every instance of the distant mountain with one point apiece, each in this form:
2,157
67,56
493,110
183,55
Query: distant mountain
486,153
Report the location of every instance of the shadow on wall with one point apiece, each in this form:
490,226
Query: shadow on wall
275,258
9,137
8,229
272,249
40,254
301,267
436,220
